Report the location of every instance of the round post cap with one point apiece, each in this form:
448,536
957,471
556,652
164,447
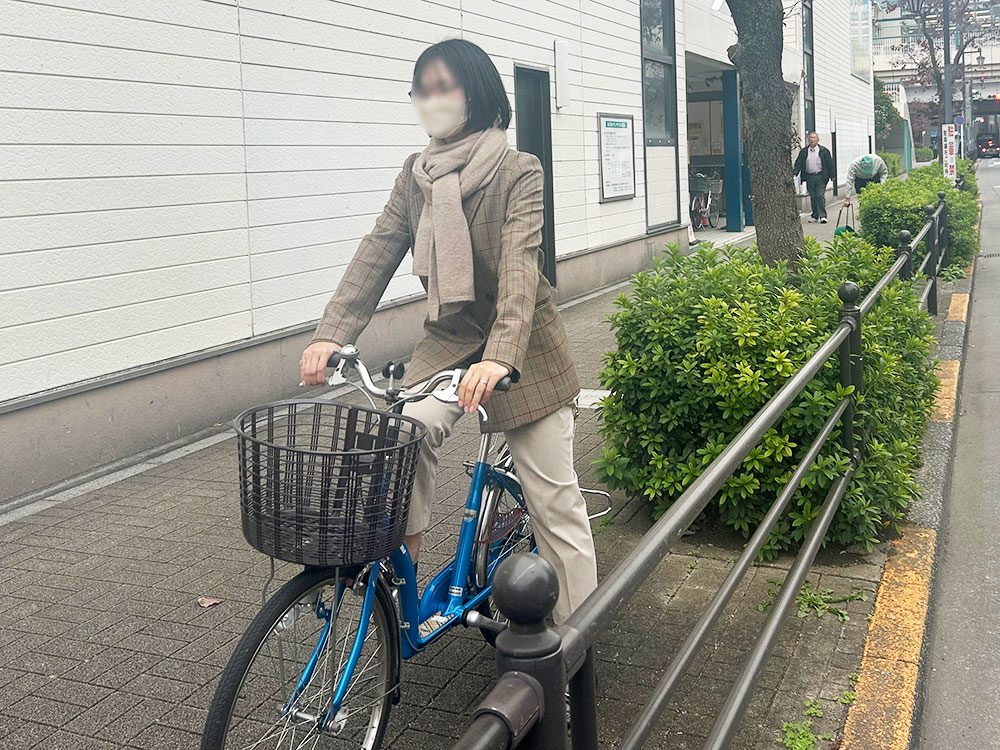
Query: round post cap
849,292
525,588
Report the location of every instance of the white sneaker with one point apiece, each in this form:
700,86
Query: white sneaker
823,220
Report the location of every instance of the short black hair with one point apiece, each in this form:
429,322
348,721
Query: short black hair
474,70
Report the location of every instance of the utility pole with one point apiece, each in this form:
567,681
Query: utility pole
969,142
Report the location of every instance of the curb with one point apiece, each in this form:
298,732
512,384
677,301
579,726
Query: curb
889,693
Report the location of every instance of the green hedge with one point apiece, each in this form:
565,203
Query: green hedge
703,341
884,210
922,153
892,162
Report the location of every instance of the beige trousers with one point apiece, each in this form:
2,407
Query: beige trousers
543,457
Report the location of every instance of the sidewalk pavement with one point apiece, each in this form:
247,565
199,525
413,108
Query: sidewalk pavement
961,707
822,232
103,643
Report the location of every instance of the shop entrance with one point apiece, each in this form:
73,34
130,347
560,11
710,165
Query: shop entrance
715,147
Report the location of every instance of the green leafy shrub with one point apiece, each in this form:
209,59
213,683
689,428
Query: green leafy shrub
884,210
704,341
922,153
954,272
963,210
888,208
892,162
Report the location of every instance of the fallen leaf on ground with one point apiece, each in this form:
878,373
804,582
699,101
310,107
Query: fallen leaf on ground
208,601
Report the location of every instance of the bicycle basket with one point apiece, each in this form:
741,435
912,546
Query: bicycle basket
698,184
325,483
715,186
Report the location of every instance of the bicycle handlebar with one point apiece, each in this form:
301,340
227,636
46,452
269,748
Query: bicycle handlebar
349,355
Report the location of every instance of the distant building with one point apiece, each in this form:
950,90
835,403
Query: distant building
899,46
183,183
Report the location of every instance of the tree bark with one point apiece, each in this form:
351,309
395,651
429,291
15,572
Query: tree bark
767,124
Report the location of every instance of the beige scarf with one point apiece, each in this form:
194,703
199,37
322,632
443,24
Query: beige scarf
447,173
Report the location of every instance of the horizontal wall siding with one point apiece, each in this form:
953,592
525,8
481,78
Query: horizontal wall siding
179,175
122,187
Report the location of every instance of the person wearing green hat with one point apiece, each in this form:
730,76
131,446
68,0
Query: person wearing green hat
863,172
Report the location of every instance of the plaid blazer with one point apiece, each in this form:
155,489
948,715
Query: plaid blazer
513,321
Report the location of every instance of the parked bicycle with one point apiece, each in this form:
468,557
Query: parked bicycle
704,200
327,485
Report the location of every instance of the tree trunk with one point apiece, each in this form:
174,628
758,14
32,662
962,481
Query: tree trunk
767,123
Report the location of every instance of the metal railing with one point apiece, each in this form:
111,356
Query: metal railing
526,708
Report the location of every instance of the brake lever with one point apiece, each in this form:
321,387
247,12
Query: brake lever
336,379
338,376
449,394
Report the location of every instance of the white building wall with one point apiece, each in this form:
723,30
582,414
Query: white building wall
123,213
179,175
843,102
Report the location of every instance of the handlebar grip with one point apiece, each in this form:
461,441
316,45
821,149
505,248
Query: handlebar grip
334,359
502,385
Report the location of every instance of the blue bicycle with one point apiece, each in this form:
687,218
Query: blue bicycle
327,485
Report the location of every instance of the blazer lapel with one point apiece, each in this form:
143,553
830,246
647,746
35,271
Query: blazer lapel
471,204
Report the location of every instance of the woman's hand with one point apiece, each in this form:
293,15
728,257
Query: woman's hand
312,366
478,384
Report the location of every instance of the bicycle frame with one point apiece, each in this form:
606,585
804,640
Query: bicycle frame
447,593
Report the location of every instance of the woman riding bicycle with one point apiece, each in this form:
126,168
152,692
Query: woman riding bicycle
471,208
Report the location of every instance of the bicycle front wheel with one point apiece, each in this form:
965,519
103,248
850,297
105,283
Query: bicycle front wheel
277,690
713,217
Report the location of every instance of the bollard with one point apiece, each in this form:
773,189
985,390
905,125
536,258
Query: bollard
851,366
525,589
903,248
933,238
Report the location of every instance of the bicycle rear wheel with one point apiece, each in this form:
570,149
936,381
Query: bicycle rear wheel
270,698
507,531
713,217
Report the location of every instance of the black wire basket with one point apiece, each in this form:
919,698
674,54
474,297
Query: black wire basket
325,483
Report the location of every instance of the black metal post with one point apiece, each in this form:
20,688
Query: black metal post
525,589
944,246
850,363
903,248
583,705
933,237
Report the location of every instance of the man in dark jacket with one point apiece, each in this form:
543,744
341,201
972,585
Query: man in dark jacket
814,165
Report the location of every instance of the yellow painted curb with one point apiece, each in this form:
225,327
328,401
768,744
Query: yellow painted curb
947,393
959,306
882,712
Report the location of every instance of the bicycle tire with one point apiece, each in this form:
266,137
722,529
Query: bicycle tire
713,218
697,219
270,617
492,508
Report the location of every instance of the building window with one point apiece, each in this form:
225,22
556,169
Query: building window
659,74
809,77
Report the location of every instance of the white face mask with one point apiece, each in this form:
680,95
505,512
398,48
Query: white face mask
442,116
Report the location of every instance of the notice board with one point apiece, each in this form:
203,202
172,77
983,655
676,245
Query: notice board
616,142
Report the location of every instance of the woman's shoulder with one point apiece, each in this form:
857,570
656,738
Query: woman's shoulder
520,162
